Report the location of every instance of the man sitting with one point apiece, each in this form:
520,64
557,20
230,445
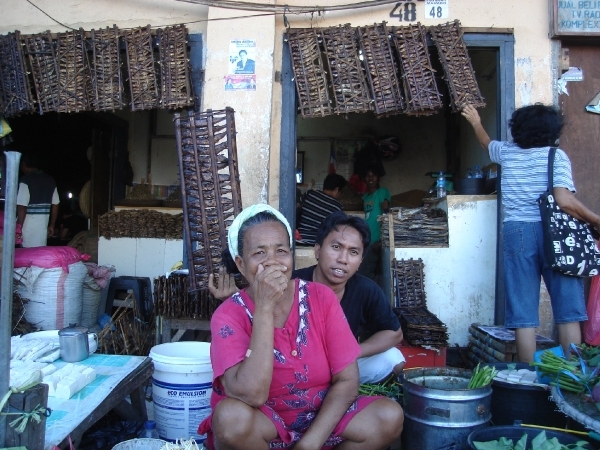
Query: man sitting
317,205
340,244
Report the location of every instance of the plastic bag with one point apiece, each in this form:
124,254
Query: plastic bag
591,327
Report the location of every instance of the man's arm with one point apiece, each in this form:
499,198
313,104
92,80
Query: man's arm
380,342
53,216
21,214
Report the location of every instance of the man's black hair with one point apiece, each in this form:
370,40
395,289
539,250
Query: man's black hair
536,126
334,180
375,168
31,159
261,217
338,219
242,50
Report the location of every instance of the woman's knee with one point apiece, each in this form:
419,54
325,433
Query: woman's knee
232,420
391,416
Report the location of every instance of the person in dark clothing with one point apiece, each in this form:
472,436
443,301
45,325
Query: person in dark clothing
317,205
37,203
340,244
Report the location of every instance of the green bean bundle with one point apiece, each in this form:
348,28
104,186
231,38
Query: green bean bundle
482,376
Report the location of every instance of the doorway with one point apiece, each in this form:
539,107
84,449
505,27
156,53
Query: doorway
495,54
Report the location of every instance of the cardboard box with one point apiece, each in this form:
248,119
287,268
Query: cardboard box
422,357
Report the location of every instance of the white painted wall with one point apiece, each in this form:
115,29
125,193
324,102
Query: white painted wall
258,114
460,279
140,257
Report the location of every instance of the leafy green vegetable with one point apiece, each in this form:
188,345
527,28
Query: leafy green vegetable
482,376
389,387
540,442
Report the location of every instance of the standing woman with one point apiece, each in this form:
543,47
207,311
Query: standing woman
535,129
284,358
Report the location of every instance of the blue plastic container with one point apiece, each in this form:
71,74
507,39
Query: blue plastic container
537,358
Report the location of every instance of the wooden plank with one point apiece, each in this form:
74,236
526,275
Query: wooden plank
34,435
488,30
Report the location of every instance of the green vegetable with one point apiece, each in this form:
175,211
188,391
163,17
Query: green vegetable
482,377
389,387
540,442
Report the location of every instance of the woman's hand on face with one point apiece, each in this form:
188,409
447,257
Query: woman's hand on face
269,284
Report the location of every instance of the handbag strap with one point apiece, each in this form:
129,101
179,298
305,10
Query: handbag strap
551,154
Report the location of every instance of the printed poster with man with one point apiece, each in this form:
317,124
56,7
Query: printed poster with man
242,56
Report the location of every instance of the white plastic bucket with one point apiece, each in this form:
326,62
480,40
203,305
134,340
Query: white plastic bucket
181,388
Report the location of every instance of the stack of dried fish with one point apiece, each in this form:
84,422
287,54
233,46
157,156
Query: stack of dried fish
418,79
382,72
44,69
73,71
416,227
106,83
345,70
309,73
15,91
143,82
172,298
419,325
408,282
139,223
175,79
140,192
458,70
208,170
128,332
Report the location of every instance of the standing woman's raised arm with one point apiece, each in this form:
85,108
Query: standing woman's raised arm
470,113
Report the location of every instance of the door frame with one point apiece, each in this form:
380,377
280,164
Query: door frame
502,43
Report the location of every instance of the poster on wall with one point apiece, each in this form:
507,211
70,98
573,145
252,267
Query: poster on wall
240,82
242,56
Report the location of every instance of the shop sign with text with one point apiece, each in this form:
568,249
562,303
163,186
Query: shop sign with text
575,18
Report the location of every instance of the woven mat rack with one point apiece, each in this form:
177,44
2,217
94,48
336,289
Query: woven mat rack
143,82
44,68
106,83
409,284
416,227
15,90
176,90
420,326
346,74
172,298
417,73
309,73
73,75
382,71
458,69
210,187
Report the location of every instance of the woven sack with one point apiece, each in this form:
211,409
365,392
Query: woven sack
55,295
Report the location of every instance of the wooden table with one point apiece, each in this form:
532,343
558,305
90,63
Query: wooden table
168,324
96,406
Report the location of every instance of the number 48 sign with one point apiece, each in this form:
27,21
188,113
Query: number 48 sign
436,9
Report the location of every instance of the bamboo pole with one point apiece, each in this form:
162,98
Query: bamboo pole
6,290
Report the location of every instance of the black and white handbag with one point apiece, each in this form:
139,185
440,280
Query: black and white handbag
569,246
